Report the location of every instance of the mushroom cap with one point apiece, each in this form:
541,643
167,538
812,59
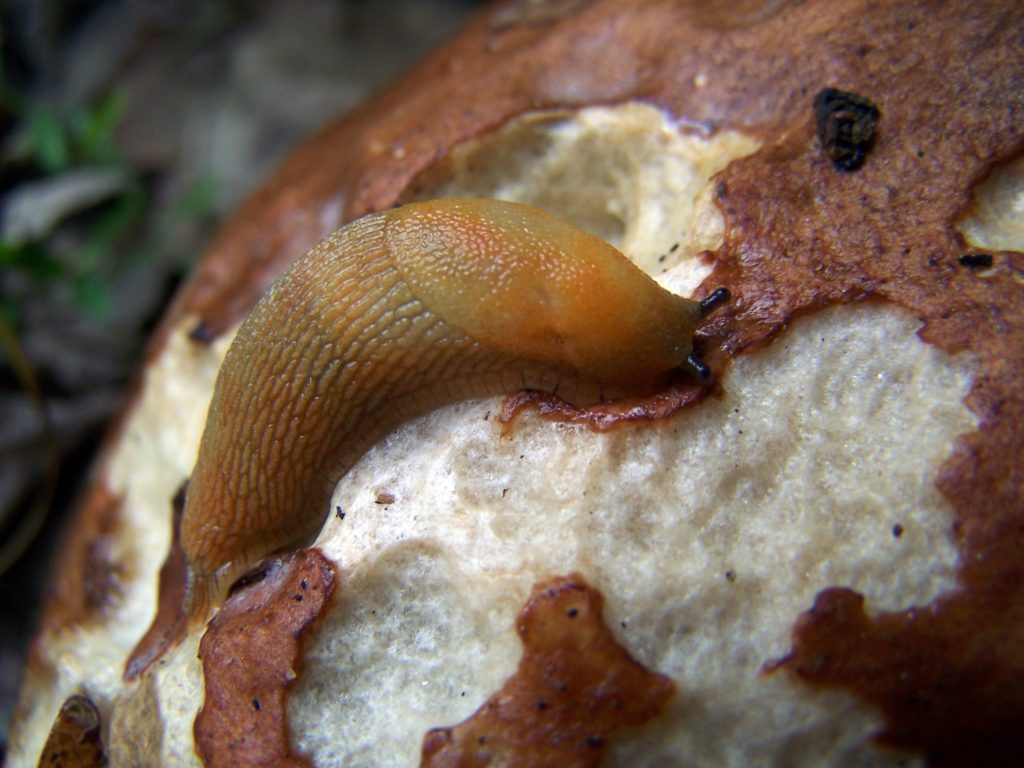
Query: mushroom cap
824,559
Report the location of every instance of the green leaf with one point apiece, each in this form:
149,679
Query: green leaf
31,258
115,220
197,200
8,253
93,130
93,297
49,140
10,311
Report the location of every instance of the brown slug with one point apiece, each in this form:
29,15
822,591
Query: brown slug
394,315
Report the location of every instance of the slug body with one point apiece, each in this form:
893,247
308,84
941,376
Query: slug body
392,316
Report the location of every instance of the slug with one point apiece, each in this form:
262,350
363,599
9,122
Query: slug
394,315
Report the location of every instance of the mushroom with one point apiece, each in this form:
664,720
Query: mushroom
817,560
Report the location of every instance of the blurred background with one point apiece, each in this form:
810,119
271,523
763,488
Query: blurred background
128,131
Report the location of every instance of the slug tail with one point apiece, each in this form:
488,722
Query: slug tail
164,635
202,594
183,606
170,623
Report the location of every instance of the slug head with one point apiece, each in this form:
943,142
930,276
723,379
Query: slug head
534,286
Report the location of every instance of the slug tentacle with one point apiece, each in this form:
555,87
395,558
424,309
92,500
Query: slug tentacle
715,299
698,367
395,315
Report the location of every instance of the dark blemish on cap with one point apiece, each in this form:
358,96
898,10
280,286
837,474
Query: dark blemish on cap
976,260
846,126
202,333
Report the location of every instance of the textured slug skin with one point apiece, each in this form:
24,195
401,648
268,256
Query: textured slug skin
392,316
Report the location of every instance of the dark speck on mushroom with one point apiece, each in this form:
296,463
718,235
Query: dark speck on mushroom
976,260
846,126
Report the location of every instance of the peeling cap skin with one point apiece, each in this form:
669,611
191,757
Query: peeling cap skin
74,740
800,237
574,685
251,655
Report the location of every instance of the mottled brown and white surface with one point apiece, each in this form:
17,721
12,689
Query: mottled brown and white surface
863,441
